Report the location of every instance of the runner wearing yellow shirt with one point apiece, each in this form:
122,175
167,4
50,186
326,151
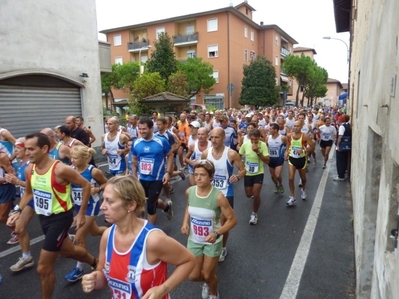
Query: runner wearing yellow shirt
255,153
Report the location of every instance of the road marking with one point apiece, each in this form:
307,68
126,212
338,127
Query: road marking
291,286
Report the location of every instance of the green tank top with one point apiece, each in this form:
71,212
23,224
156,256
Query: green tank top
49,196
297,144
204,214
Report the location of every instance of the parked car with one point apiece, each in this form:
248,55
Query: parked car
289,104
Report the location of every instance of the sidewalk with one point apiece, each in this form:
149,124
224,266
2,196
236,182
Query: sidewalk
330,267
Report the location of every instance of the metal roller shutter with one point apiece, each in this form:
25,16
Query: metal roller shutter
26,110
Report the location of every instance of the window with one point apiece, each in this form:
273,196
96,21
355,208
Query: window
276,62
212,25
158,31
118,60
144,58
245,31
276,39
191,54
117,40
245,55
252,35
190,29
213,51
216,76
253,55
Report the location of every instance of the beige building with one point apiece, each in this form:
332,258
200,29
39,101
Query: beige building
373,105
228,38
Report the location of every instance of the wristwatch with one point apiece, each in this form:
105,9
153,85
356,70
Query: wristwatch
217,235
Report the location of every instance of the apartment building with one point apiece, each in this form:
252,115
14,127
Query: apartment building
228,38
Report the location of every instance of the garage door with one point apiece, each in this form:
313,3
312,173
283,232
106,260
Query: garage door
25,110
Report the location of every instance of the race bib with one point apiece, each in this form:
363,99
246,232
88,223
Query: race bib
273,152
77,194
181,135
113,161
295,152
43,202
200,229
146,166
120,289
252,167
219,182
326,136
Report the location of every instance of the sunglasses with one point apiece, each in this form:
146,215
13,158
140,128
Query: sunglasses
204,162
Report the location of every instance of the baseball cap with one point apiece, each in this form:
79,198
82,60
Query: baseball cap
195,124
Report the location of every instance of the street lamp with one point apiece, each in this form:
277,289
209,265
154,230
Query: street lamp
347,48
142,66
347,59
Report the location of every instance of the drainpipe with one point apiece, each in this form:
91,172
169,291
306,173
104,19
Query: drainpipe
228,57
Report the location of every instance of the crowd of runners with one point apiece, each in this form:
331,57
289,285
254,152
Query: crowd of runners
54,174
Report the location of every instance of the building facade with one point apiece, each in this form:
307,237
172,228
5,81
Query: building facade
50,65
373,106
228,38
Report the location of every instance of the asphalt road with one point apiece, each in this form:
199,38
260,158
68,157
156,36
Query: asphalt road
304,251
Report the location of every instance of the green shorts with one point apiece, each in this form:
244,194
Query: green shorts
211,250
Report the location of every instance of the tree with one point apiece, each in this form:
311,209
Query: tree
259,84
177,83
127,73
109,81
298,67
163,58
316,85
147,85
198,75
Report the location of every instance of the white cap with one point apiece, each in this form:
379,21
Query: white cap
195,124
248,115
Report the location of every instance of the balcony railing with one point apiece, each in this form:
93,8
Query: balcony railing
136,46
187,39
284,52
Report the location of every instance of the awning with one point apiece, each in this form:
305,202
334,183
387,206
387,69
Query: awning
343,96
284,79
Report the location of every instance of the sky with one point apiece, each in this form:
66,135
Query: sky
307,21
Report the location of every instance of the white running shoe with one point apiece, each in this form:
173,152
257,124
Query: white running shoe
254,219
291,201
205,291
214,296
223,255
300,183
303,194
22,264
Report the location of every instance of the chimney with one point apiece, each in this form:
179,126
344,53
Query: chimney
261,23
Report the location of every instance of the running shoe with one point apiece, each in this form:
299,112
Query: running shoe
276,190
170,210
300,183
214,296
22,263
205,291
254,219
72,237
303,194
223,255
338,179
291,201
324,166
182,175
75,275
14,239
281,189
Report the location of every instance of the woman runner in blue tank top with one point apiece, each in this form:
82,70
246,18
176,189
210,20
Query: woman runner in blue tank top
80,157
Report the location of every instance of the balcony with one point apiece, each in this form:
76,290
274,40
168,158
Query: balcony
185,40
284,52
137,46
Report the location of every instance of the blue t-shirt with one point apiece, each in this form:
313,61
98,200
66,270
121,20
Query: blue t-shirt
151,157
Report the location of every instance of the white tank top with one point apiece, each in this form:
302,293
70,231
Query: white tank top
274,146
114,160
221,177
